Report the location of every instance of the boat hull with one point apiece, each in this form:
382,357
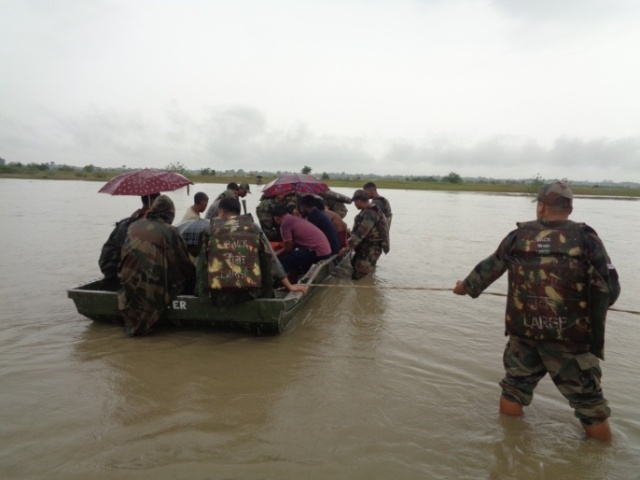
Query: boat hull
97,300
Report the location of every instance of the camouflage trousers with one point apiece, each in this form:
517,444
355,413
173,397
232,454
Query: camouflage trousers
364,259
573,369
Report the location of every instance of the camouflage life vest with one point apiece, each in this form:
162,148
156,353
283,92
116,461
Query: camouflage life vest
233,257
549,284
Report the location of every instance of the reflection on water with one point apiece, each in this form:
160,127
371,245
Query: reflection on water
370,381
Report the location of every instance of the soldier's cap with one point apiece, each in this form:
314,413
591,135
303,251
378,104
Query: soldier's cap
359,195
551,193
245,187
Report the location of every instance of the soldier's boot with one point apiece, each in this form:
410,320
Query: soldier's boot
508,407
601,431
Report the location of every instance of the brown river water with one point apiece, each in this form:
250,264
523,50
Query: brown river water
391,381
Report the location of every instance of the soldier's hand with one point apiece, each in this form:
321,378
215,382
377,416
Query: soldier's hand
459,289
299,288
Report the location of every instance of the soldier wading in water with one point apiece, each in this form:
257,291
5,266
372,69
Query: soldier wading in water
561,283
369,236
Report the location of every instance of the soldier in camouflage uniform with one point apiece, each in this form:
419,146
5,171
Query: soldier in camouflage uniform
268,205
264,212
154,268
232,191
111,250
561,283
369,236
336,202
371,190
237,263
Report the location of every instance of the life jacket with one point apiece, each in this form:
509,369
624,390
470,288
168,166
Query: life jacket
549,279
233,257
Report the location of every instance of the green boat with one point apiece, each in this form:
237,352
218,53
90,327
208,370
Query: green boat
97,300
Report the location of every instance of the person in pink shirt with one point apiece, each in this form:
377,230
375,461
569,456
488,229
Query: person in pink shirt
304,243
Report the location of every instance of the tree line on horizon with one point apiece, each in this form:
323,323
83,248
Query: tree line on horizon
452,177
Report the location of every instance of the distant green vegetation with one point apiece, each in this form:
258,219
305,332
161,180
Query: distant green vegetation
451,182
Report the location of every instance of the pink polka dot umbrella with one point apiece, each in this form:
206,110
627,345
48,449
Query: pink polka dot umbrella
294,182
145,182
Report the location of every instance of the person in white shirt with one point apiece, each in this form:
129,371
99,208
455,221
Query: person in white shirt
200,202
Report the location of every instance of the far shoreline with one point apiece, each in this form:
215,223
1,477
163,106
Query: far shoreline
493,186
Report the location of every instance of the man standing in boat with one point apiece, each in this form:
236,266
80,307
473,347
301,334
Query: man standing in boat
369,236
561,283
231,192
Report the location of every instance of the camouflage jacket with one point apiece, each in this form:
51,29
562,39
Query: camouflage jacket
385,206
111,250
264,212
155,264
547,262
212,211
370,226
336,202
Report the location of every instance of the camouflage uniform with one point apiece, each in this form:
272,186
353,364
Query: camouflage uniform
265,217
154,268
212,211
111,250
369,238
385,206
561,283
336,202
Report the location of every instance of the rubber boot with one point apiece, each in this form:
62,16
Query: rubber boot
601,431
509,407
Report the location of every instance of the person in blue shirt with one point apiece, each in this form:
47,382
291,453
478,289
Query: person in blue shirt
308,204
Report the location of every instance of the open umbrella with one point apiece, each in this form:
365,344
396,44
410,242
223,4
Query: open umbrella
145,182
294,182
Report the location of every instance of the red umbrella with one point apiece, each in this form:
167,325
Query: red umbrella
145,182
294,182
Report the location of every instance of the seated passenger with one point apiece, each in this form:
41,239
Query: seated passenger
237,263
320,220
110,254
154,269
304,243
193,232
338,222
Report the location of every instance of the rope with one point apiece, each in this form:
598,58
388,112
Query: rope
432,289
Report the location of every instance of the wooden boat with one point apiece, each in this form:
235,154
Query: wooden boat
97,300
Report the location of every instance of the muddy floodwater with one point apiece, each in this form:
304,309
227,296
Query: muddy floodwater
386,378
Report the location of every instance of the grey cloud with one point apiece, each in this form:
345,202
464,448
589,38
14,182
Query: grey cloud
240,137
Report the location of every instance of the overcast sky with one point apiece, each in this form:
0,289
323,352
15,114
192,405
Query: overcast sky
498,88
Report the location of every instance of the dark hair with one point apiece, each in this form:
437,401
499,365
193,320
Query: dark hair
148,200
200,197
229,204
279,211
369,185
233,186
320,205
308,201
